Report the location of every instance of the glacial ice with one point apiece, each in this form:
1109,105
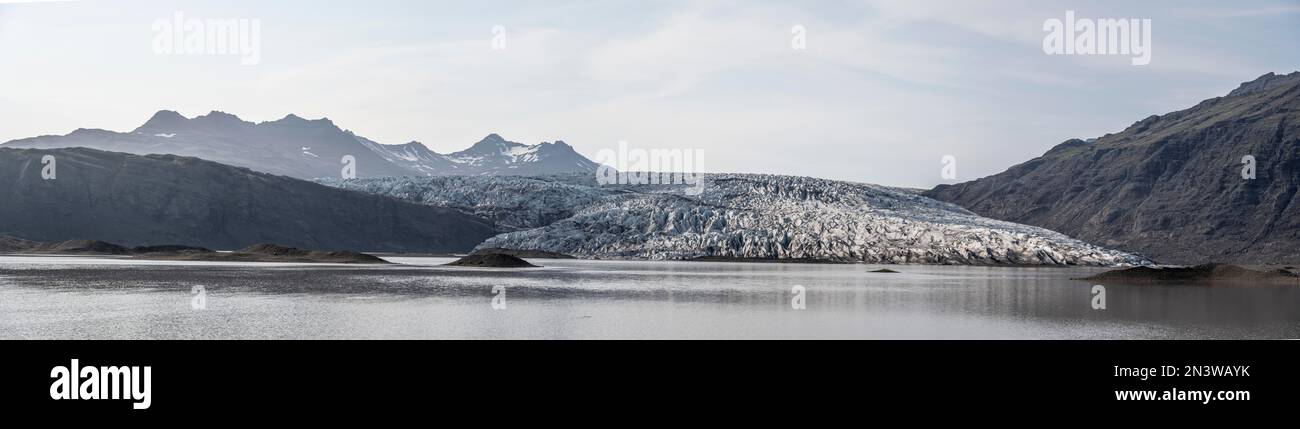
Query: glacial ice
743,216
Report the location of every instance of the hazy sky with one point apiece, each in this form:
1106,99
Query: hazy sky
883,90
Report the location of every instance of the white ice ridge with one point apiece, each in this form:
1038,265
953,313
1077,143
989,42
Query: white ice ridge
740,216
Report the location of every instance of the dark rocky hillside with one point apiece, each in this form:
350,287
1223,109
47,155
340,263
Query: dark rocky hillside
160,199
1169,187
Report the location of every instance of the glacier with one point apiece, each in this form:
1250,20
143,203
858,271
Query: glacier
739,216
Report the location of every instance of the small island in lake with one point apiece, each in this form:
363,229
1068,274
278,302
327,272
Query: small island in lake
491,260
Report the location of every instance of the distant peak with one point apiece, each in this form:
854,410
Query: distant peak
163,120
167,114
292,119
492,142
218,115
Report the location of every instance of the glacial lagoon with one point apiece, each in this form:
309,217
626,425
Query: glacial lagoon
50,297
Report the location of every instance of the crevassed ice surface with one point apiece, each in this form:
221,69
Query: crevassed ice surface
741,216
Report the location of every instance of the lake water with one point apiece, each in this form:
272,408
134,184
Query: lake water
105,298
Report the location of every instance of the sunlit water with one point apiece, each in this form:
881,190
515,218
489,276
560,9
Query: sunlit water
102,298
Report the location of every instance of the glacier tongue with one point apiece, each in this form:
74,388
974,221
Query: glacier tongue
741,216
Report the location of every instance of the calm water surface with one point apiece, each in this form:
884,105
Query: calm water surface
102,298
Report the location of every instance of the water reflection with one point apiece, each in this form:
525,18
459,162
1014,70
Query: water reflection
97,298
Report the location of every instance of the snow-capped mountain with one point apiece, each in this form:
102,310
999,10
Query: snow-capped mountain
413,157
302,148
740,216
491,156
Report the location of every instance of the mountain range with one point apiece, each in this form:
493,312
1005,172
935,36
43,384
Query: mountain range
308,149
138,200
1216,182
